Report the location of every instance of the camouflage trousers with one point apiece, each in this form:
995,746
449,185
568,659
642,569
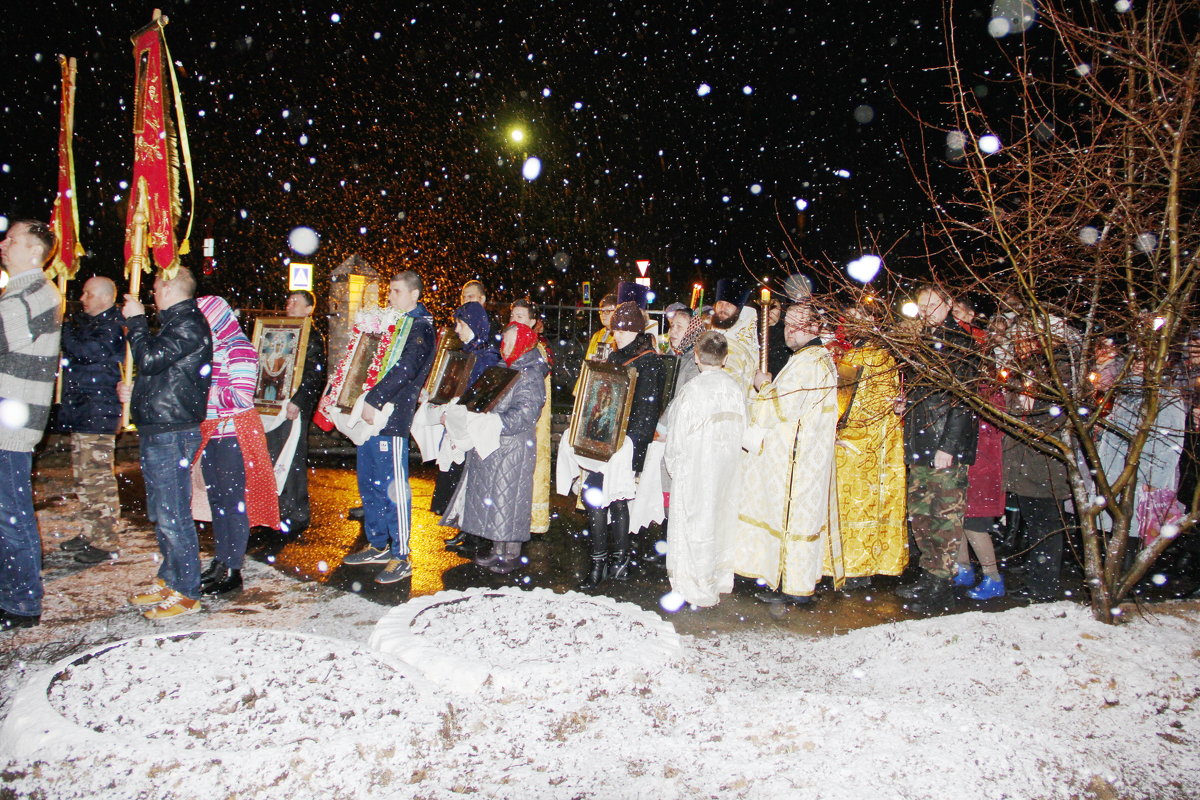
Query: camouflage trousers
96,488
936,501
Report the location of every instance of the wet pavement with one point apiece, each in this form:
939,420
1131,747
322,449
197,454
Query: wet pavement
555,560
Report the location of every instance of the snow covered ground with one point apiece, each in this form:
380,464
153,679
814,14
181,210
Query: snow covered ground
1036,702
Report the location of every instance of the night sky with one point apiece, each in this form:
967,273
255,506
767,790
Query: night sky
682,132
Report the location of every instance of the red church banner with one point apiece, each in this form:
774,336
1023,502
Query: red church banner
64,218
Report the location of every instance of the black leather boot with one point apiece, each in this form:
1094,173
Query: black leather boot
927,584
456,542
599,571
618,566
208,573
223,581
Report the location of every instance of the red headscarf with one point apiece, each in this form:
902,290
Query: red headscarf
526,341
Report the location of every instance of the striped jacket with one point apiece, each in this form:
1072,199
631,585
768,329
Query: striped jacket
30,324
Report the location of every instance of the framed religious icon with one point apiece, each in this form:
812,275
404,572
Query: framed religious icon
281,344
487,390
450,374
447,342
356,372
601,410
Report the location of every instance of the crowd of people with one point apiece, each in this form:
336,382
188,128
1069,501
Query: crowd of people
789,451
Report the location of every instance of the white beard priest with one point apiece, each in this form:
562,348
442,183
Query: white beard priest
788,514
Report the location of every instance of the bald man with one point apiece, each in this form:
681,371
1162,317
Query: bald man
93,346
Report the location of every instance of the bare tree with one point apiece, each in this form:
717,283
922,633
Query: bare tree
1074,218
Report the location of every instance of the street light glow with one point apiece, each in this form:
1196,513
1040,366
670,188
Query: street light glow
517,135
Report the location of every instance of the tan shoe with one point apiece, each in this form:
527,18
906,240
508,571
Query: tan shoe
152,597
175,605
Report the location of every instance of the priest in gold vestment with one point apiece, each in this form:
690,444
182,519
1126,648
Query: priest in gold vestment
788,516
871,484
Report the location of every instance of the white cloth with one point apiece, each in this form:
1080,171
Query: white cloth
473,431
354,427
427,430
647,504
705,424
620,482
283,463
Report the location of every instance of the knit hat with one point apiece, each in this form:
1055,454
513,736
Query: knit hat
476,317
627,317
630,292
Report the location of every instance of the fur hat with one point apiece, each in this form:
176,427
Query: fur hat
628,317
630,292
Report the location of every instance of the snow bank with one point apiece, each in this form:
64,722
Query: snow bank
1039,702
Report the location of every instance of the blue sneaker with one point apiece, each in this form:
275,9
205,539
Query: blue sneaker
988,588
964,576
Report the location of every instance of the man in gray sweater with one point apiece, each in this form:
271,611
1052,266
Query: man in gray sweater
30,323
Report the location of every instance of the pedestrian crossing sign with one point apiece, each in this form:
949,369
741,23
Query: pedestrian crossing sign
300,276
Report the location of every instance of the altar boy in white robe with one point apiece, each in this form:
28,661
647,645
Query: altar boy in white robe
705,425
788,513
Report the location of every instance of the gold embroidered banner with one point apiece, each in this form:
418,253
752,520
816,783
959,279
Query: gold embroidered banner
64,218
159,142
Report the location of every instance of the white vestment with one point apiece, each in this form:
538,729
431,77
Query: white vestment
742,362
705,424
788,513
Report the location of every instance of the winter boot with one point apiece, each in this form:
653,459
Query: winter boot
928,583
964,576
510,558
207,574
223,581
491,559
599,571
938,597
988,588
618,566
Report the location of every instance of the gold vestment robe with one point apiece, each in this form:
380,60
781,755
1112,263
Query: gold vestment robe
871,487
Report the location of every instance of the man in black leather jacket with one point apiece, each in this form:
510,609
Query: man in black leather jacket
169,400
940,434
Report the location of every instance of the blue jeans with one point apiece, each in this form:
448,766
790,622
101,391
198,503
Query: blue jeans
225,479
386,496
20,544
166,468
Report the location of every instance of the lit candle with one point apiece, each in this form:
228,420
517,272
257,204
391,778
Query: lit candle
697,295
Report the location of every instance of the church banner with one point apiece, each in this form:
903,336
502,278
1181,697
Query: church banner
159,149
64,218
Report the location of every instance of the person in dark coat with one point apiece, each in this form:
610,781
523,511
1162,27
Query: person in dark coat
494,499
474,328
609,521
93,346
294,512
940,437
167,402
1038,482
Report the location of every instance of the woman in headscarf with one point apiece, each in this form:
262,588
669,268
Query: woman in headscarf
474,329
494,499
234,461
